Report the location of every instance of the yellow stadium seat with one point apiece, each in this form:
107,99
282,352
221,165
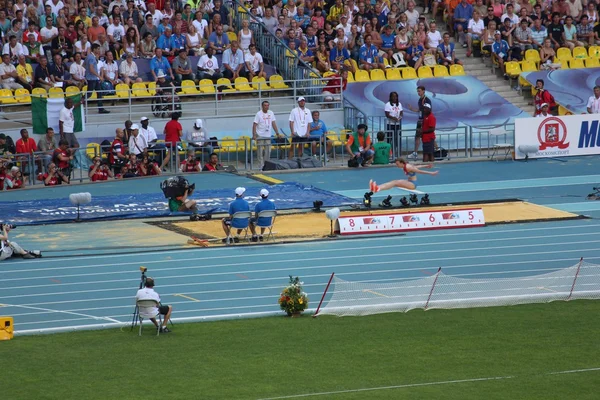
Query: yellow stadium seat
594,51
580,52
189,87
351,63
533,56
244,143
362,76
232,36
513,69
409,73
226,85
92,150
122,91
6,97
425,72
40,92
457,70
440,70
328,74
351,77
23,96
276,82
260,83
592,62
139,90
151,88
55,93
72,91
393,74
93,96
563,111
242,85
226,144
576,63
564,54
207,86
377,75
526,66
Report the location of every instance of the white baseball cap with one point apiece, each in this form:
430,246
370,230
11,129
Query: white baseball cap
240,191
264,193
301,99
427,105
143,119
198,123
134,126
544,105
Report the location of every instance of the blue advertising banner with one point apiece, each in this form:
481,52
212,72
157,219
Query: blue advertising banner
286,196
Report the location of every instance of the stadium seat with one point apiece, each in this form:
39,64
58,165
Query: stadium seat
328,74
260,83
513,69
276,82
351,77
227,144
580,52
6,97
122,91
564,54
55,93
72,91
440,70
23,96
207,86
232,36
457,70
594,51
526,66
362,76
377,75
352,63
576,63
242,85
563,111
533,56
393,74
41,92
84,90
151,88
225,85
244,143
189,87
139,90
425,72
592,62
409,73
92,150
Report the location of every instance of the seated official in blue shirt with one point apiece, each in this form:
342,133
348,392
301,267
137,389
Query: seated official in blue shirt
318,133
262,222
159,65
369,55
238,205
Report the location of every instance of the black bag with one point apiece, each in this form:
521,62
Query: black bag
440,153
308,162
278,165
354,162
214,142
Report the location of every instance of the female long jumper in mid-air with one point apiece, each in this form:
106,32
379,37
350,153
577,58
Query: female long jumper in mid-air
410,183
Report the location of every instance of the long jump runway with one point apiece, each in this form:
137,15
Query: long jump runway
83,288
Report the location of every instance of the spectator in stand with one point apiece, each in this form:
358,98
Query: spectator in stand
304,52
538,33
462,14
359,146
149,28
575,9
77,71
27,145
593,104
547,56
197,138
62,45
157,16
369,55
415,53
543,112
507,29
194,41
213,163
166,42
147,46
14,179
190,164
208,66
182,67
35,51
62,157
434,38
226,17
233,62
48,33
500,52
47,144
218,41
339,56
159,65
94,77
446,54
201,25
95,30
269,20
335,86
14,49
110,70
522,39
322,58
585,31
514,18
99,171
104,46
117,157
475,31
24,73
132,164
8,74
54,176
491,16
128,71
570,39
254,64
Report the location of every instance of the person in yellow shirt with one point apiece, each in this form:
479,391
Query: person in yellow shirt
87,21
336,11
25,73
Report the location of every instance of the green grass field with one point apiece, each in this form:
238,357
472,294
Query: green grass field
273,357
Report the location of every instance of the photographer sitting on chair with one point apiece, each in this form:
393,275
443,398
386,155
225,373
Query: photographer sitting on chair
11,249
148,293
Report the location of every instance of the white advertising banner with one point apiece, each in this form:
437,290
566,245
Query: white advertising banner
570,135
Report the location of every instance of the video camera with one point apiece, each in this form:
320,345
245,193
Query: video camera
8,226
176,186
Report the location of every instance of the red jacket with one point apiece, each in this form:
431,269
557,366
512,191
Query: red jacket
541,97
26,147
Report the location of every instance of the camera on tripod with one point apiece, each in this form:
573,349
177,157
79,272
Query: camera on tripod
143,278
7,226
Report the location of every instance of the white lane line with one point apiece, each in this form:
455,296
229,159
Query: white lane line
389,247
47,310
438,383
336,257
251,251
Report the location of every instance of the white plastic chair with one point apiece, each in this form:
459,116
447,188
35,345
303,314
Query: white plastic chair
146,304
505,147
242,215
267,214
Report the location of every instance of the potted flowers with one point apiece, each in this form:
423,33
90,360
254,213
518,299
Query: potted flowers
292,299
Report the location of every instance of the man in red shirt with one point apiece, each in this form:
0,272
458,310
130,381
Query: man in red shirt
190,164
213,163
62,157
26,145
173,132
54,176
117,156
99,171
543,96
428,137
335,86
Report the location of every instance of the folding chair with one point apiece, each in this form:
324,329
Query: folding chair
267,214
245,216
145,304
499,147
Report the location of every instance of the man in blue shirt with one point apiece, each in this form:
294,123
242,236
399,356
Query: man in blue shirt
263,222
159,65
317,131
462,14
93,77
238,205
233,62
166,42
338,55
218,41
500,51
388,37
369,55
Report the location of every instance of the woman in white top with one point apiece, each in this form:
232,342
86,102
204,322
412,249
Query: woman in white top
194,41
394,114
245,36
19,5
592,13
83,46
131,43
77,71
110,69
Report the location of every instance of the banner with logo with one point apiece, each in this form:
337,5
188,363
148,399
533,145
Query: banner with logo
570,135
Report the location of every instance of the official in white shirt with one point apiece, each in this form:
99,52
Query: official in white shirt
264,121
148,293
300,120
593,105
137,141
66,123
394,113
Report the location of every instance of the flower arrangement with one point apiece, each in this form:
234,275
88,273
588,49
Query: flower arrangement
292,299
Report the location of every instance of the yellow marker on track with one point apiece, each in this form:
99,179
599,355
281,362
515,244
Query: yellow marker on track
373,292
186,297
